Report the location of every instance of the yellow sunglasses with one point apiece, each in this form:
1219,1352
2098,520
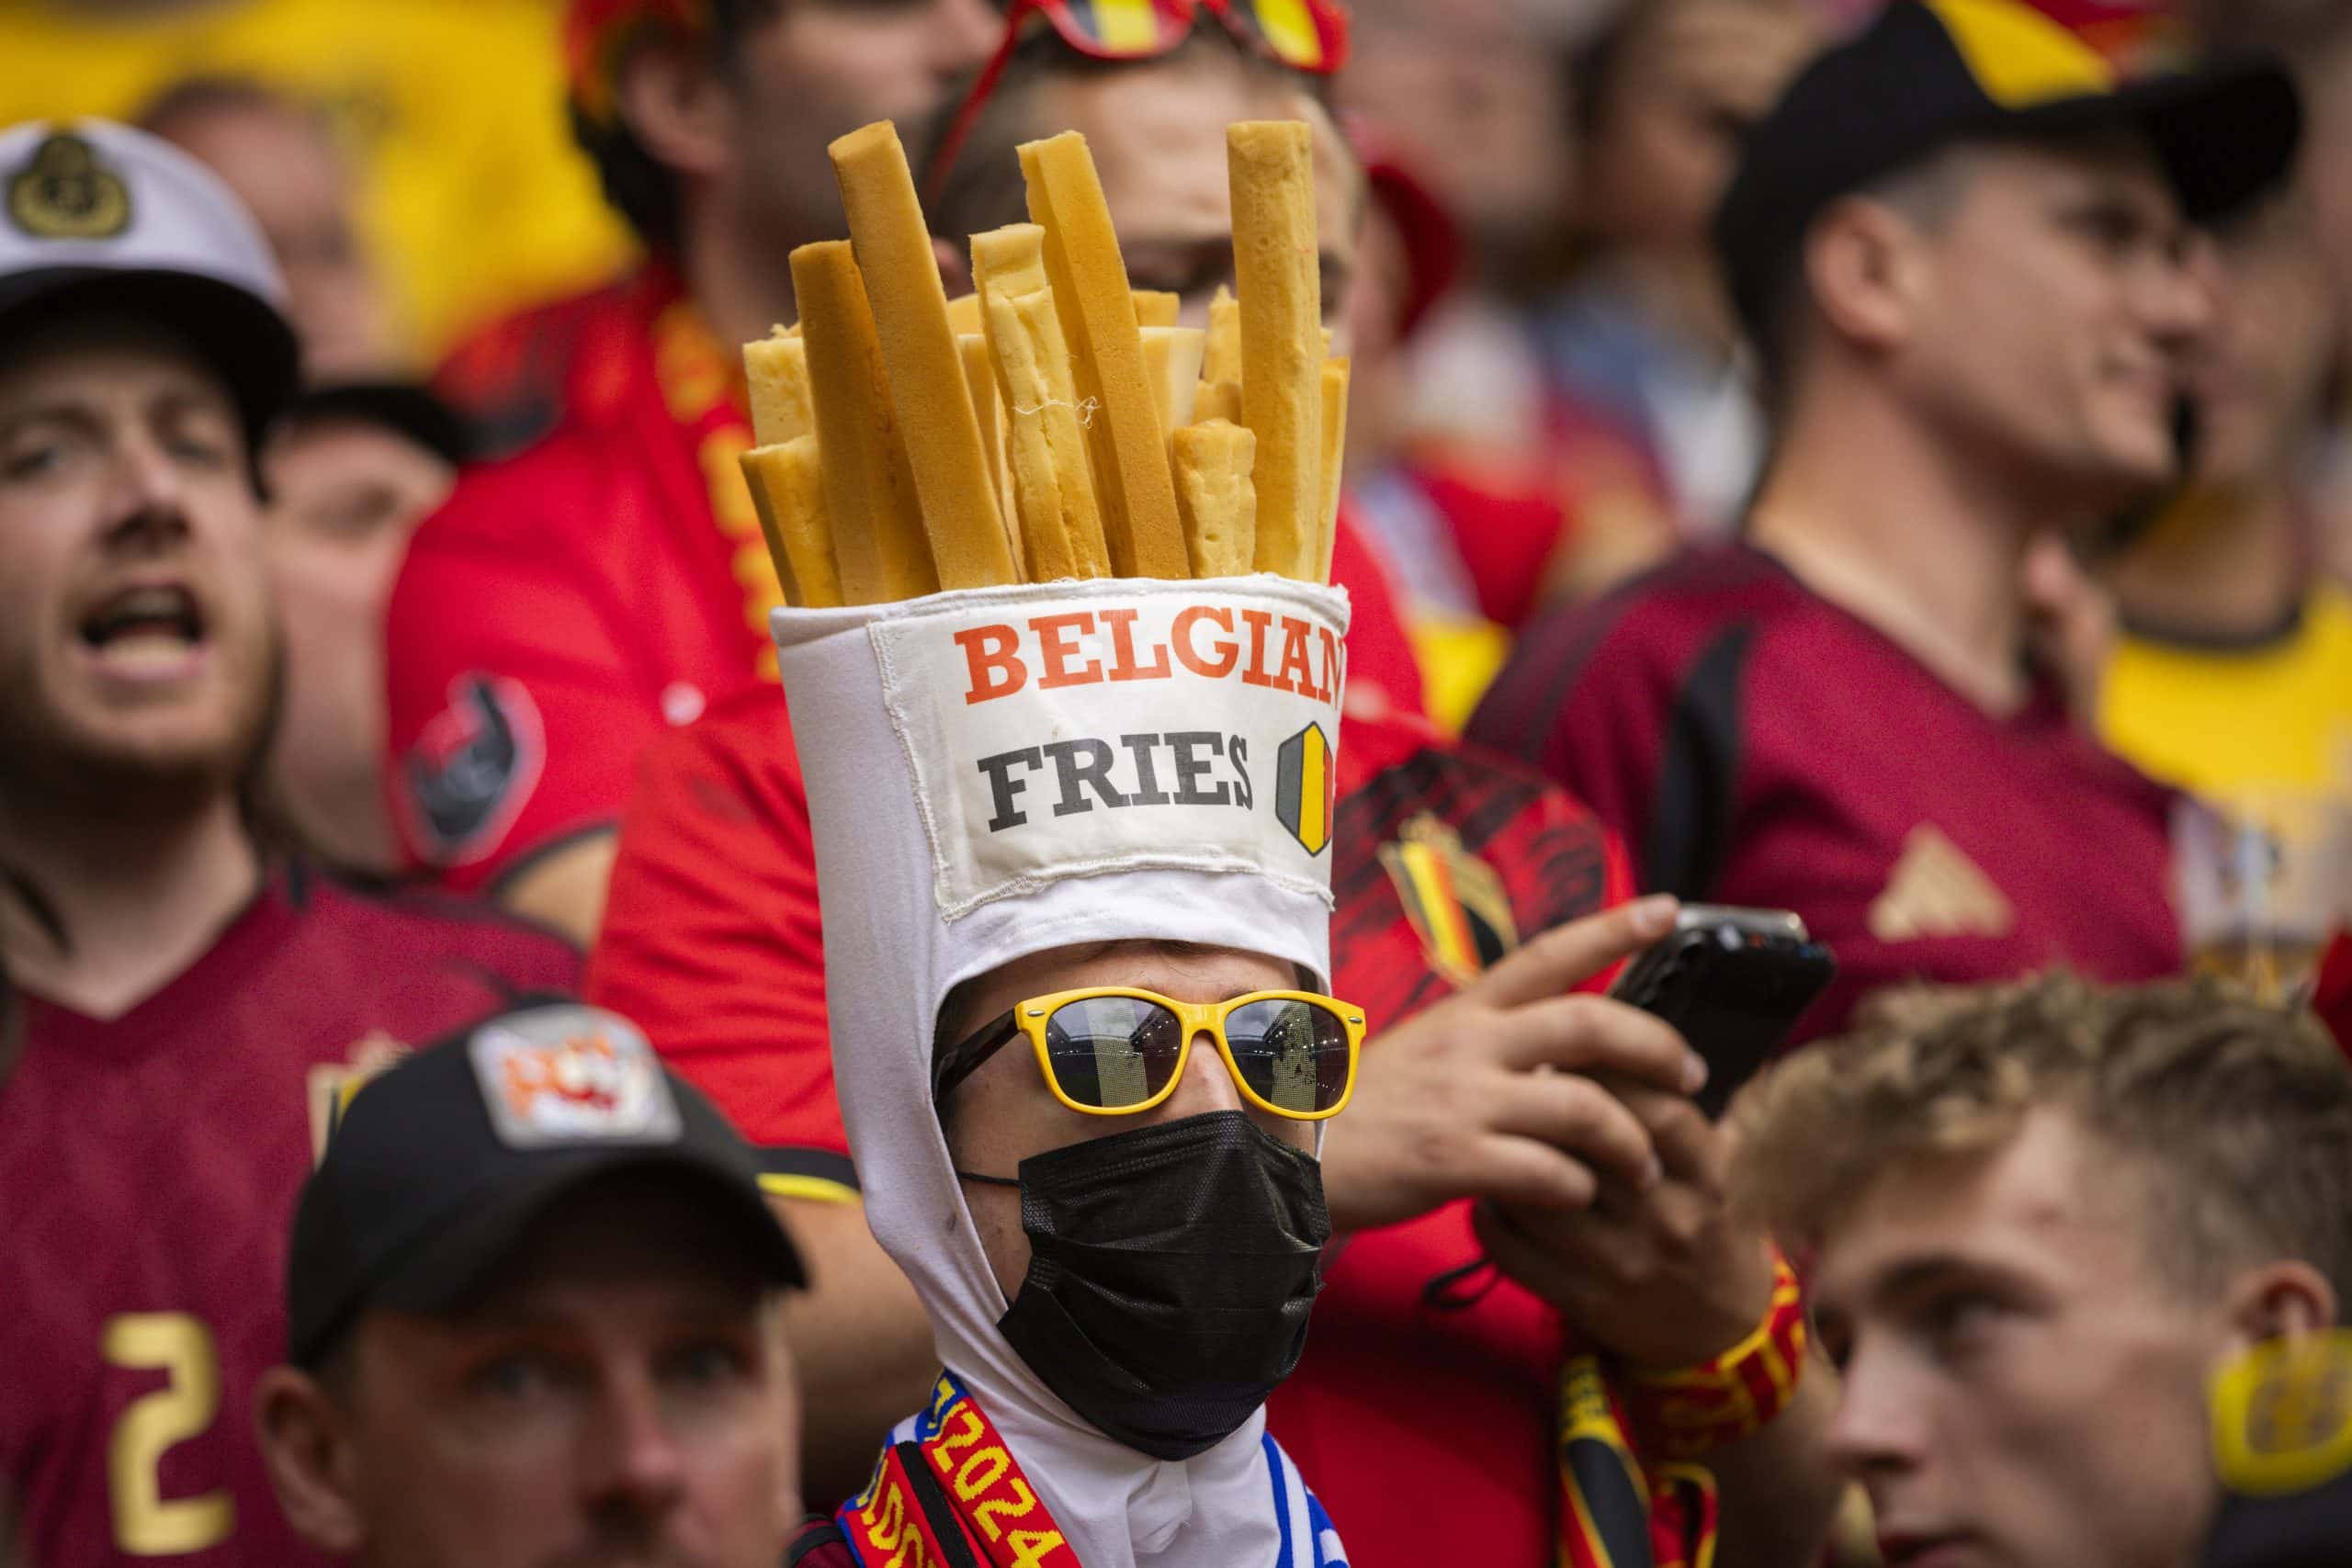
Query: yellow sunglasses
1114,1051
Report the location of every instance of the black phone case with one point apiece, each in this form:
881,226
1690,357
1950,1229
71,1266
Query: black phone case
1733,994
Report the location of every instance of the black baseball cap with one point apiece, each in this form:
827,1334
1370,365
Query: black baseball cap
407,409
94,214
436,1167
1924,74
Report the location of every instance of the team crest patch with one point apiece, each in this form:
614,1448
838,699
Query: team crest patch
2282,1414
1305,788
64,193
1456,902
567,1074
474,764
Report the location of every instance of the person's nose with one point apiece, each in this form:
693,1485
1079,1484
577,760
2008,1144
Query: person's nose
634,1463
1876,1429
146,501
967,32
2180,295
1206,1085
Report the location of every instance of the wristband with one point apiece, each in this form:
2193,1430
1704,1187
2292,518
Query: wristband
1682,1415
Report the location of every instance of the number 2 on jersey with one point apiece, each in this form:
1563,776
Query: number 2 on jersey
146,1523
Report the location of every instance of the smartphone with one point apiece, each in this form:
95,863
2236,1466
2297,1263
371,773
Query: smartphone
1733,982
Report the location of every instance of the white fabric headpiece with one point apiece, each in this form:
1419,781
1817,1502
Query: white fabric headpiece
996,771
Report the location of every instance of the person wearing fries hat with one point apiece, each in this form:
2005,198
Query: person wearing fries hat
1081,1057
1070,785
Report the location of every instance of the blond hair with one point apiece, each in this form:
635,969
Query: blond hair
2235,1119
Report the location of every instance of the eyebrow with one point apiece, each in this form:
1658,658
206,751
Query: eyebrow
48,414
1914,1273
172,403
1916,1276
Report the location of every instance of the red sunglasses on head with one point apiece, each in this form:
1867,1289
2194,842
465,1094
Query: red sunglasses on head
1305,34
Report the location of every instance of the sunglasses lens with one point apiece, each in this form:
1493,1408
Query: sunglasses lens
1111,1052
1293,1054
1289,30
1115,29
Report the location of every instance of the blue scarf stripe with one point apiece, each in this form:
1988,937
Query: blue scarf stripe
1308,1539
1284,1557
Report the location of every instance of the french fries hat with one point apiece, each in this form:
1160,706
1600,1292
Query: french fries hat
995,772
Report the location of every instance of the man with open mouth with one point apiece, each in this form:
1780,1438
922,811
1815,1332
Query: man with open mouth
182,1012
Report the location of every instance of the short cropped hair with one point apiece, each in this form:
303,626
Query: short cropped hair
983,188
2235,1118
1925,193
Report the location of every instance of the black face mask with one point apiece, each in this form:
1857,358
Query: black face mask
1170,1273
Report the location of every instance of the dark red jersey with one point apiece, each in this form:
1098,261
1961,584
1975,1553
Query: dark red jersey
1753,743
1446,857
572,603
149,1165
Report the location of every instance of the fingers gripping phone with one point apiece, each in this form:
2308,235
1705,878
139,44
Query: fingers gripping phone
1733,982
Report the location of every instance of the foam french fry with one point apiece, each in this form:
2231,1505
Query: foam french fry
1008,260
1155,308
787,490
1172,363
879,544
1334,387
776,371
1217,400
1053,497
1221,359
964,313
1215,495
1089,281
1005,264
937,420
979,375
1269,166
767,501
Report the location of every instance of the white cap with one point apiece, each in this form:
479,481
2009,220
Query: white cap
95,213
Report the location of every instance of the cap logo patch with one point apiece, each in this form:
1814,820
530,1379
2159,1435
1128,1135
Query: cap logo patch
66,193
2020,57
571,1075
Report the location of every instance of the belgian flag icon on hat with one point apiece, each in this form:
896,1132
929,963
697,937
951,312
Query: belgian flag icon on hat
1305,788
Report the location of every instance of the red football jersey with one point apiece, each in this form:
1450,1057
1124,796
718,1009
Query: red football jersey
567,605
1446,857
149,1165
1753,743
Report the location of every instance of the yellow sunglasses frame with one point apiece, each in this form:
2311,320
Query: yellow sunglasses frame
1197,1018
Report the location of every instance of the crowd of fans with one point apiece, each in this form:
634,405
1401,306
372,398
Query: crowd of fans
1882,460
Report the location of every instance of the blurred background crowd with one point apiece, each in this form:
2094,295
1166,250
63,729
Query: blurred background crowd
1554,393
520,241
